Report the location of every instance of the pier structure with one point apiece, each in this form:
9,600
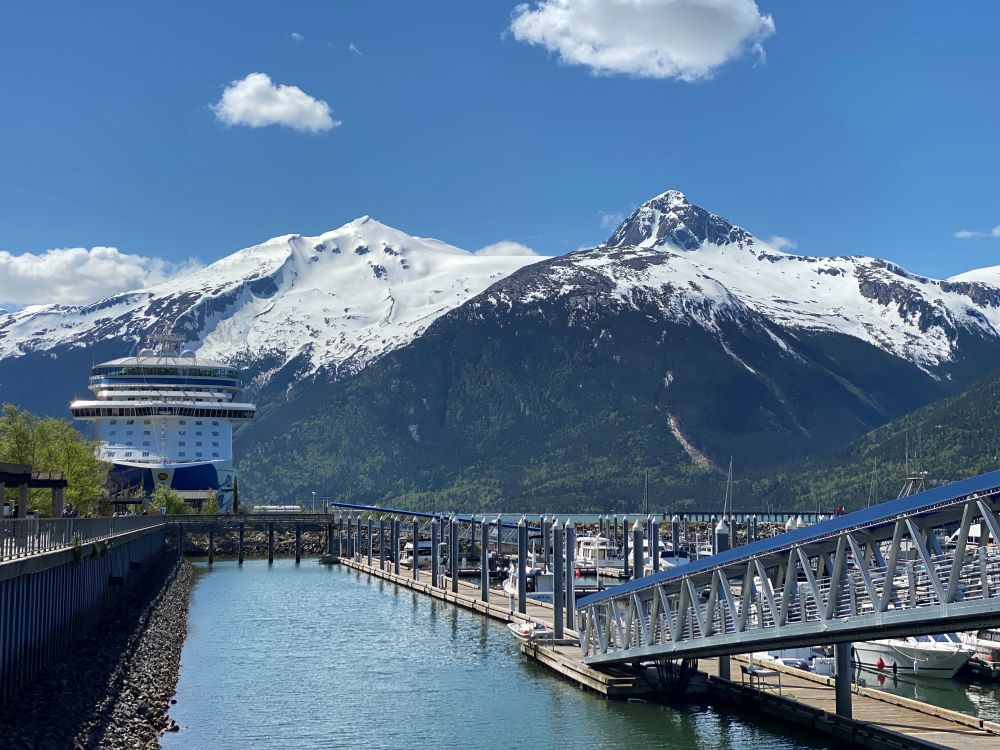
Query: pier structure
24,479
58,576
872,718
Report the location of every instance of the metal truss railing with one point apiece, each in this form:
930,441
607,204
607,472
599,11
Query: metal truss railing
880,577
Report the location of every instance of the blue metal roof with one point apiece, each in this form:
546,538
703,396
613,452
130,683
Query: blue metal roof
878,515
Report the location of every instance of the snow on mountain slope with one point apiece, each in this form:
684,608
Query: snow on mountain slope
697,266
338,300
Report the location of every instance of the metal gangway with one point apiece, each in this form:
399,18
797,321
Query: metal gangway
884,571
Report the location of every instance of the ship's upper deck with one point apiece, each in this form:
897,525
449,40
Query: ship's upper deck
156,365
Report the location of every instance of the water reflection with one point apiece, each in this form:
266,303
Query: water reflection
321,658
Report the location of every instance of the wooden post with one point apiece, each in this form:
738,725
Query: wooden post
270,543
242,544
298,543
211,545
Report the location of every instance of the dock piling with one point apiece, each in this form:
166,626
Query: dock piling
675,533
484,560
842,655
558,580
211,545
654,543
522,562
270,543
381,543
241,546
435,553
638,563
453,554
570,573
369,540
395,545
416,549
329,539
298,543
625,543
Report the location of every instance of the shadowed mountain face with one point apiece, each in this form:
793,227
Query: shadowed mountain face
392,367
679,342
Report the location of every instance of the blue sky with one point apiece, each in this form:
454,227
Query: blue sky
870,128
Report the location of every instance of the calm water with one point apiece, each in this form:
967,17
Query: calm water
980,699
319,657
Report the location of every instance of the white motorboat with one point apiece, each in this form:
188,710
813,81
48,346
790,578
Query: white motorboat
424,563
530,631
986,643
596,552
539,585
939,655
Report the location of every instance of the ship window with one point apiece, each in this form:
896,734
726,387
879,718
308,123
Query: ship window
145,454
145,432
181,443
198,443
182,454
182,432
216,424
215,445
198,454
114,421
197,423
145,442
129,432
215,433
183,421
128,454
131,421
112,432
216,455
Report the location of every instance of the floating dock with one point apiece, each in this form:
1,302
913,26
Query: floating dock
880,719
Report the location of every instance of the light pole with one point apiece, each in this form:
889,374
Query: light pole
314,501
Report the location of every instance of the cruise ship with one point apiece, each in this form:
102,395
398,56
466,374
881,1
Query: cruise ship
165,417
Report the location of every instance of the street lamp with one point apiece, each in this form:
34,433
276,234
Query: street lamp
314,501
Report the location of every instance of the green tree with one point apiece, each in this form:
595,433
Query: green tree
211,505
164,497
53,445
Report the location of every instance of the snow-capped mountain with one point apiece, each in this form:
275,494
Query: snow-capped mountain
697,266
678,343
332,302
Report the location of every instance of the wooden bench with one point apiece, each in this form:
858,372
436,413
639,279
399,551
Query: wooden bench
757,677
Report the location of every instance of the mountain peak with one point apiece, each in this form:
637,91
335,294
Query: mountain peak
668,219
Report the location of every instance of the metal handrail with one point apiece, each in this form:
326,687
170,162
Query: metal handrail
24,537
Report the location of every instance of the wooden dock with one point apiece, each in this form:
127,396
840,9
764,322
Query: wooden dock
880,719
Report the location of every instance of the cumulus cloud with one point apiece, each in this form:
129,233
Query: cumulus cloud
966,234
256,101
683,39
782,243
506,248
296,36
77,275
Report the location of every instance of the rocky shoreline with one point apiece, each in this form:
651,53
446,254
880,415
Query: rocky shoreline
114,689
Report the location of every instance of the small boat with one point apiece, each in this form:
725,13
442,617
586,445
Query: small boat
539,585
596,552
940,655
530,631
424,549
985,642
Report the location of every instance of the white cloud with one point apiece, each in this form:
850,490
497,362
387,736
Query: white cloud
351,47
506,248
296,36
76,275
782,243
257,102
611,219
966,234
684,39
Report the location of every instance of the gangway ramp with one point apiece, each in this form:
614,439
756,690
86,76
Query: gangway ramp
874,573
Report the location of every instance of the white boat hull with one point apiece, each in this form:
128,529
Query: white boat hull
928,659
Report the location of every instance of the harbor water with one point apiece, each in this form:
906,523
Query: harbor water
321,657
